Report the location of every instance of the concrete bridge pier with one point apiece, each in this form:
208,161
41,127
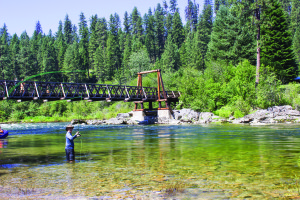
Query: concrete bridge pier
138,115
164,114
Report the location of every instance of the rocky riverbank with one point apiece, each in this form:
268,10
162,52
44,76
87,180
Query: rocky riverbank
272,115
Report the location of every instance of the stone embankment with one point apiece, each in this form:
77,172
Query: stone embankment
272,115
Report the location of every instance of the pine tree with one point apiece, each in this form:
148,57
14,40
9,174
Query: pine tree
222,36
74,34
165,7
168,25
60,47
218,3
183,55
99,64
36,52
150,36
127,51
93,44
72,62
26,57
93,22
101,68
113,49
170,58
137,24
191,14
229,37
38,28
295,15
173,7
4,55
126,23
159,30
68,30
50,61
177,33
14,48
101,32
203,34
84,44
286,5
277,43
189,56
296,45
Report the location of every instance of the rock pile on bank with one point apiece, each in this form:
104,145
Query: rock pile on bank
276,114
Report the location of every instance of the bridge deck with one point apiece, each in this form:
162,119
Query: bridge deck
52,91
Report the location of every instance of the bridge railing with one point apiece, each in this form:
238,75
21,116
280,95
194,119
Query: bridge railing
17,89
29,90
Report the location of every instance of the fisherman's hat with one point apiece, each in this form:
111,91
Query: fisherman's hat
69,126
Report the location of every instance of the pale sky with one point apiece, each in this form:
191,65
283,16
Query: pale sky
21,15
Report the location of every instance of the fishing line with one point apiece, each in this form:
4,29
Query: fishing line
53,72
78,128
33,76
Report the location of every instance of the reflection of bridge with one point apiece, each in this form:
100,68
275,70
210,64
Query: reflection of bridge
53,91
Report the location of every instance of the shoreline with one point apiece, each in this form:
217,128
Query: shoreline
273,115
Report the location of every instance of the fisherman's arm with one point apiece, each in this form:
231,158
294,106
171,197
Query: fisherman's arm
70,137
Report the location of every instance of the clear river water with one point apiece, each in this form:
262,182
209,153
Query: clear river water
151,162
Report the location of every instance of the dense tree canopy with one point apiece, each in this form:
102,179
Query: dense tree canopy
115,49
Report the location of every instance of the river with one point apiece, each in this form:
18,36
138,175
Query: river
151,162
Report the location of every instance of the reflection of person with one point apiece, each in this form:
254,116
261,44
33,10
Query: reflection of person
70,154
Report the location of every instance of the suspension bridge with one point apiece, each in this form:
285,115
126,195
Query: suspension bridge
54,91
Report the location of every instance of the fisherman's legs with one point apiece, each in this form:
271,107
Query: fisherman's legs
70,154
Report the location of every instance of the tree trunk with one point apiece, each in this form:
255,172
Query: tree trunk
257,14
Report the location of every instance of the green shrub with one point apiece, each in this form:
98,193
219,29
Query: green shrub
267,92
225,111
291,94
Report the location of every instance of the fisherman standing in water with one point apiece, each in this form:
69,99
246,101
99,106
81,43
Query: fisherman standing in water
70,154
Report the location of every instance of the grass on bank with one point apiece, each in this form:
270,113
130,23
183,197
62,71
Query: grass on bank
60,111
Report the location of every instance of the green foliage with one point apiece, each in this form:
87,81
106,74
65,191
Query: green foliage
268,93
277,49
170,58
203,35
291,94
209,62
296,45
139,61
218,86
231,41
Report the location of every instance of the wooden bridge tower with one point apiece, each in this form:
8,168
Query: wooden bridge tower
161,93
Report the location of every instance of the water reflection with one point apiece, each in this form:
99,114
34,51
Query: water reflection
115,158
43,144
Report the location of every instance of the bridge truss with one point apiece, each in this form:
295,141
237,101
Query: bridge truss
53,91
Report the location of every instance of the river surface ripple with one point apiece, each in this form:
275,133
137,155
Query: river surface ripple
151,162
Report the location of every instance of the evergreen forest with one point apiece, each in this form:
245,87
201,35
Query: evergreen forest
229,57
